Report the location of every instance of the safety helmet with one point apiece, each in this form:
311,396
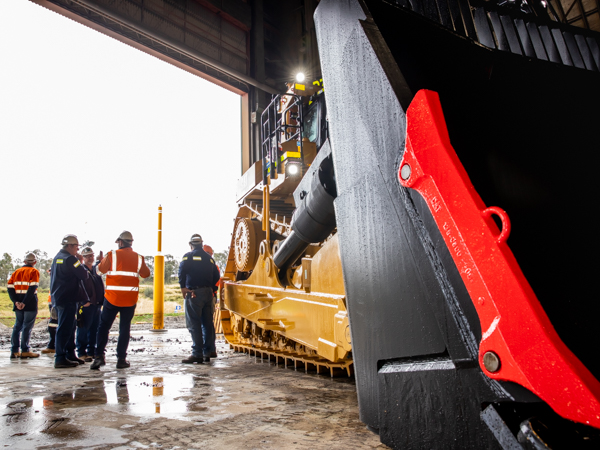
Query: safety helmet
125,236
196,239
208,249
70,239
87,251
30,257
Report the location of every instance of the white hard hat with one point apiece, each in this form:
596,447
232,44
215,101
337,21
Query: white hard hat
125,236
87,251
30,257
70,239
196,239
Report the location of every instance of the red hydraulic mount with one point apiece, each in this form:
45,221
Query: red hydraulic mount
518,343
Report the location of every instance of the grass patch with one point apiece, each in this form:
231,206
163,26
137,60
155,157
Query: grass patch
7,317
172,293
149,318
6,305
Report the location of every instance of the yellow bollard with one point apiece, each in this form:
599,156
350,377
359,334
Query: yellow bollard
159,281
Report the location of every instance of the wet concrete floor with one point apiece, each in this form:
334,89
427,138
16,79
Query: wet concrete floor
234,402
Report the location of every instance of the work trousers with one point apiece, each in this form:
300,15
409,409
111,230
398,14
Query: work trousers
22,330
52,324
107,318
199,321
65,332
87,330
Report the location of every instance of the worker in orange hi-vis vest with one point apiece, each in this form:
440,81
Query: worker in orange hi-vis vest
123,269
22,290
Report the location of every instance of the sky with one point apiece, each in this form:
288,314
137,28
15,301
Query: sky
95,135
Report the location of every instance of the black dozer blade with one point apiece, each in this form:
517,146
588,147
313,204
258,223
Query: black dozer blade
521,98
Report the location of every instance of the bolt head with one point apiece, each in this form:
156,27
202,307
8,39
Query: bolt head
491,362
405,172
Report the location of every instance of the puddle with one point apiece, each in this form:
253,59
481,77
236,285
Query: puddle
168,396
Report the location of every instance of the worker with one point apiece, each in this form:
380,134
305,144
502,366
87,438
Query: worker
213,352
66,275
22,290
198,276
89,317
123,269
52,324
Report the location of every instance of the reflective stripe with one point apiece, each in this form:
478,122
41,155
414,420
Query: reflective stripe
197,258
11,286
77,264
114,261
185,258
22,283
98,270
21,291
122,288
122,273
59,261
33,284
139,263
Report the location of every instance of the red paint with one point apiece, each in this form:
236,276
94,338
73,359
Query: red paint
513,323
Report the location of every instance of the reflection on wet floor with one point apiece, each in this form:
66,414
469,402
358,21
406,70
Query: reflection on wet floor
160,402
168,396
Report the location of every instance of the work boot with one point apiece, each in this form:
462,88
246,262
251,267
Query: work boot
48,350
76,359
29,355
86,357
206,359
213,354
122,363
192,360
98,361
15,355
65,364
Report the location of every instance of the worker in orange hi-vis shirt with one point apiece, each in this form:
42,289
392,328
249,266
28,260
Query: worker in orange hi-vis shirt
123,269
22,290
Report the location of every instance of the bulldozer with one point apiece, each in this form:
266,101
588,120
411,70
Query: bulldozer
284,296
420,219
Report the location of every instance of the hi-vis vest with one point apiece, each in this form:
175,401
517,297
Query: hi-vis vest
122,280
22,279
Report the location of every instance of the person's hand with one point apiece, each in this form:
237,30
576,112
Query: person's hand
186,291
20,305
100,256
87,304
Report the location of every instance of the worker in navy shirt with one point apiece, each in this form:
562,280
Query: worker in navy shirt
198,277
66,276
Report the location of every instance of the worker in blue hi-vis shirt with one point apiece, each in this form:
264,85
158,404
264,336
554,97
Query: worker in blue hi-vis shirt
66,276
198,278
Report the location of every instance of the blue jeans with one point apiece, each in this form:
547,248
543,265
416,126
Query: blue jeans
23,325
65,332
199,321
87,330
109,313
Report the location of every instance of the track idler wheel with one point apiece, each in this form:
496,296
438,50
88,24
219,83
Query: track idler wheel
247,238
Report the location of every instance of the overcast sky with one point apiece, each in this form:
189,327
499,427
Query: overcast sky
95,134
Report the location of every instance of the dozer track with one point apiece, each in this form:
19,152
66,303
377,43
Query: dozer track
253,345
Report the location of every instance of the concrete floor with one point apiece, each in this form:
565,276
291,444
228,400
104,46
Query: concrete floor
234,402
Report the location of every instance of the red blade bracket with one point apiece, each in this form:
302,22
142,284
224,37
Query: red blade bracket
519,343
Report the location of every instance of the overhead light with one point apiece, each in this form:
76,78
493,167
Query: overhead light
292,169
300,77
